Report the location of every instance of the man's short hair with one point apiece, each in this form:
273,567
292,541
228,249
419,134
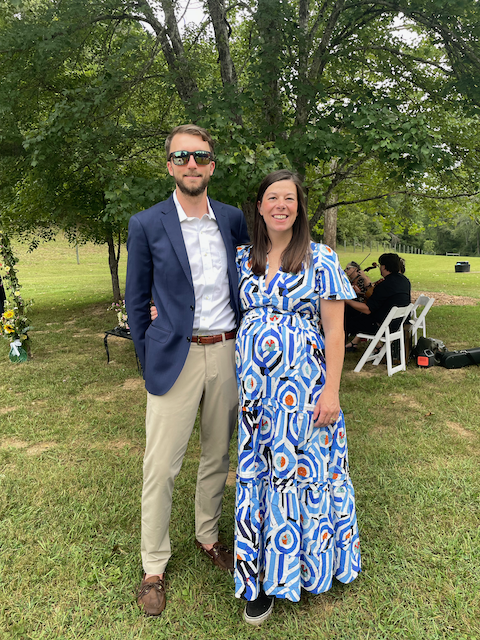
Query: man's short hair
391,262
192,130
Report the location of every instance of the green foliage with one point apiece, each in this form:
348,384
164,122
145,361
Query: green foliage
88,94
92,125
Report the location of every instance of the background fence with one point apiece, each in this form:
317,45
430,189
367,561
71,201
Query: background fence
352,244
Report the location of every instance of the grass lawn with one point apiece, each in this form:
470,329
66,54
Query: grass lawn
71,445
428,273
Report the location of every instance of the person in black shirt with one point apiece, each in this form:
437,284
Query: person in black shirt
393,291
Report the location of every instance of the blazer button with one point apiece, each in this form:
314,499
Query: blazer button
192,307
189,339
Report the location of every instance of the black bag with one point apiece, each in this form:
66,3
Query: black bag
459,359
425,347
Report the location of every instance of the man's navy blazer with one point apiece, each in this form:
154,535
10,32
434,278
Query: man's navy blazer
158,269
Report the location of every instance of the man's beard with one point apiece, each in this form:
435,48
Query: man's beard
195,190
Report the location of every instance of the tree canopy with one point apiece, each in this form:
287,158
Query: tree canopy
369,101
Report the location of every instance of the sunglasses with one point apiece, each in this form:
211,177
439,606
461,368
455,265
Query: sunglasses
181,158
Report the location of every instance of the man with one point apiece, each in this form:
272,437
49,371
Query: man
393,291
181,255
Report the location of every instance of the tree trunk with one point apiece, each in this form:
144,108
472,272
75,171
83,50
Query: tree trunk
172,47
218,14
113,259
269,18
248,209
331,214
330,223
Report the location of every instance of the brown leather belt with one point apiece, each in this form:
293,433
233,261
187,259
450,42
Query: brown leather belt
230,335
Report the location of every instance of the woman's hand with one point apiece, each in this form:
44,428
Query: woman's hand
153,312
327,409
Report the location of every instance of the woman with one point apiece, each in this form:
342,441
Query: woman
358,279
295,508
361,283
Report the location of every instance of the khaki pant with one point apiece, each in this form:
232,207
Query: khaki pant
207,380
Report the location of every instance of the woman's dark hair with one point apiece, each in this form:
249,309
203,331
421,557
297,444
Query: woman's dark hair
391,262
298,249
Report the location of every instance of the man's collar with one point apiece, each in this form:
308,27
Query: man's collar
181,213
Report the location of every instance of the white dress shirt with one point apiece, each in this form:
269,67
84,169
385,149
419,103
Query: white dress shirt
208,264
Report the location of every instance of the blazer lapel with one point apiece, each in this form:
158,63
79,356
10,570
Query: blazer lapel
172,227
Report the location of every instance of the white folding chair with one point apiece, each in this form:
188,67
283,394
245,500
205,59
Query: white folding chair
418,323
387,337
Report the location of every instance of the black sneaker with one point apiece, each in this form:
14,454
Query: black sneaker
258,610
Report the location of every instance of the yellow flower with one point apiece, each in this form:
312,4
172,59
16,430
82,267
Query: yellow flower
9,328
8,314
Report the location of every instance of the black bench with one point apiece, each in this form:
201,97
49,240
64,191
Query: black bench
120,332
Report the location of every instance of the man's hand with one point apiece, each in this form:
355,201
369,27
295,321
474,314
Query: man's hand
153,312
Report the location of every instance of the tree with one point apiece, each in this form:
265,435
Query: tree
88,154
333,90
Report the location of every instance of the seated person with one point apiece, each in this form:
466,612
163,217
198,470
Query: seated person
392,291
358,279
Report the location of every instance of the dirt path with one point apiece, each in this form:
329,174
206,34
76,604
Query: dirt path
445,299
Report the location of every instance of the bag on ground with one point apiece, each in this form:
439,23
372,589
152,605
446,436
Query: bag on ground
459,359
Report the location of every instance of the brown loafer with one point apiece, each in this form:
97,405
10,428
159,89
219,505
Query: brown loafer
151,596
220,555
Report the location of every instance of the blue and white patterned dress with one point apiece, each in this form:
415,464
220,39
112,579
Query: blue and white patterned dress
295,503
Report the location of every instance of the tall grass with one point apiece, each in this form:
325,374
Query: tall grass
71,443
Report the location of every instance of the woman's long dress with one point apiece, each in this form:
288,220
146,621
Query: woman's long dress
295,503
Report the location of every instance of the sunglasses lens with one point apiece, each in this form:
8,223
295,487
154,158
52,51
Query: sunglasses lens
202,157
181,158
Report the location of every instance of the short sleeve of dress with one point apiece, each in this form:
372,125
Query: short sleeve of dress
243,253
330,279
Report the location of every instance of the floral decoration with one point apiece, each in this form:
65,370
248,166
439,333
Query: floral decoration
121,311
14,323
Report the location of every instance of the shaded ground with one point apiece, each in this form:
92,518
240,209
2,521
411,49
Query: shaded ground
446,299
